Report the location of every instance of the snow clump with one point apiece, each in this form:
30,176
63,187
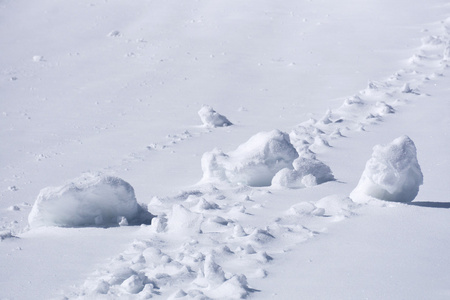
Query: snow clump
392,174
211,118
307,172
253,163
90,200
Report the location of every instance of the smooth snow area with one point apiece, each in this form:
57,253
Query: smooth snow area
243,127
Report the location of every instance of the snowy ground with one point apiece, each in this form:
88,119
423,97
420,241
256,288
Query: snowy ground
115,87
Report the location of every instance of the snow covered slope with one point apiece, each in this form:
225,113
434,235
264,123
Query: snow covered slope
114,87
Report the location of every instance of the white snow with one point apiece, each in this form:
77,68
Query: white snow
211,118
307,172
392,173
117,91
89,200
253,163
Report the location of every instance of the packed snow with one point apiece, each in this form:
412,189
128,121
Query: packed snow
89,200
307,172
253,163
392,173
284,202
211,118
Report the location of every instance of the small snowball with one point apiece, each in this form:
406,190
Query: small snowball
392,174
38,58
253,163
211,118
86,201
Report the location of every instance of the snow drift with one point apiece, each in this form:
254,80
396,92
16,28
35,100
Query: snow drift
211,118
253,163
88,200
307,172
393,173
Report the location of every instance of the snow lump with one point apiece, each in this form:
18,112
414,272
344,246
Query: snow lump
90,200
307,172
392,174
253,163
211,118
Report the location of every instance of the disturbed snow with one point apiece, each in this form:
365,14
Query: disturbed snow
227,236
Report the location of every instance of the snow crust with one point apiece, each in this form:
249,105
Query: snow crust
392,173
90,200
253,163
211,118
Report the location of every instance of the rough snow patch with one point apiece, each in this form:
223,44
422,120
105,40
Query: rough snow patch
211,118
88,200
307,172
253,163
393,173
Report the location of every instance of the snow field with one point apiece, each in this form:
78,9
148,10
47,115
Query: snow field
223,237
203,245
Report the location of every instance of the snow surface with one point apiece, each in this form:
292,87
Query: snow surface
117,89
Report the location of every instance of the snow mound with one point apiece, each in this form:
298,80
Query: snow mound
393,173
211,118
253,163
307,172
90,200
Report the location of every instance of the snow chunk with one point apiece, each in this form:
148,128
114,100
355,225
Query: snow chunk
307,172
86,201
393,173
133,284
253,163
211,118
184,221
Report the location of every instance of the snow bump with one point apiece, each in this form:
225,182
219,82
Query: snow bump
392,174
90,200
211,118
253,163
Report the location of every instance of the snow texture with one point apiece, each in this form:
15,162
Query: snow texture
211,118
90,200
253,163
392,174
307,172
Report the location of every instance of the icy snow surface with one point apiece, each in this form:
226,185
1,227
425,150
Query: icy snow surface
310,87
